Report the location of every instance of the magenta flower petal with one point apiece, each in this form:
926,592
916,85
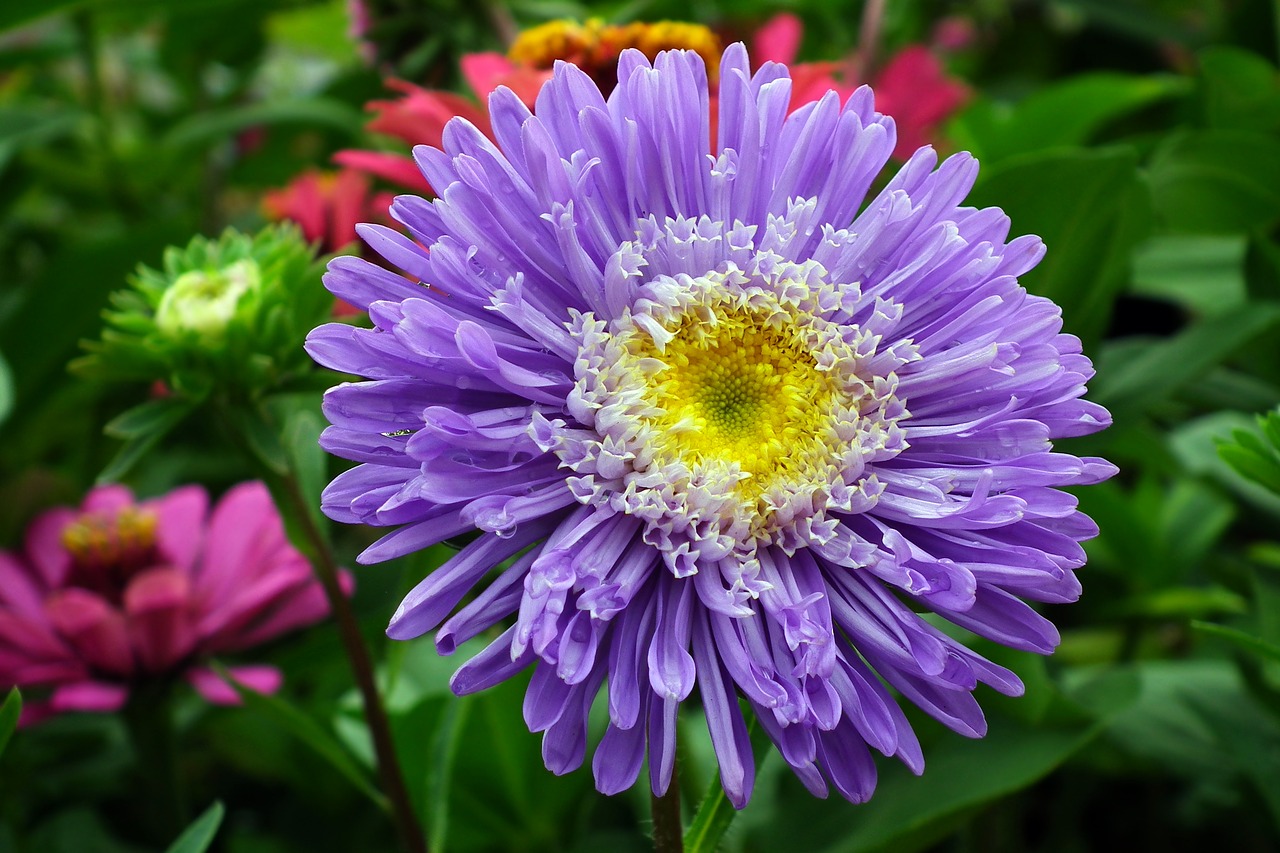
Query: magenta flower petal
18,590
484,72
158,606
303,605
107,500
228,625
94,628
44,547
243,530
213,687
97,696
32,651
180,527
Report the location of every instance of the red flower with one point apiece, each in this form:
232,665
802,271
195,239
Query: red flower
418,117
327,206
913,87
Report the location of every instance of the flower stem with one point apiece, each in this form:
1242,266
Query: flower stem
326,569
259,438
863,60
715,812
148,717
668,832
504,23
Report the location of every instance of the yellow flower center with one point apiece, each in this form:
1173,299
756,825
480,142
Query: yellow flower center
98,540
595,46
737,391
107,549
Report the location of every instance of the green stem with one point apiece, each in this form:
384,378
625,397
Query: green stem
326,568
668,832
280,474
715,812
148,717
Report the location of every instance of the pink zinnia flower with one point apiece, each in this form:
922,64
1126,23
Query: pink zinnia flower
117,591
912,87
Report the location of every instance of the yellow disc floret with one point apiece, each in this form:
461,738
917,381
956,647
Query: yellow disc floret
737,391
98,541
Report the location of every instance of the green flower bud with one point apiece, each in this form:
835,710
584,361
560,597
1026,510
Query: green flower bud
229,314
204,301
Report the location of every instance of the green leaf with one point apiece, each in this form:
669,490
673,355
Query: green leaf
6,389
205,128
310,733
1153,371
1217,181
1195,446
10,711
1251,463
1262,269
310,462
445,746
1204,274
39,343
961,775
428,723
1135,19
323,28
197,837
1180,602
142,428
1256,456
1090,209
262,440
1241,90
501,795
33,124
1062,115
148,418
16,12
715,813
1197,719
1246,641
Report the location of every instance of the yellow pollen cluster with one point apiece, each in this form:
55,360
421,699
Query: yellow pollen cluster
741,391
99,541
595,46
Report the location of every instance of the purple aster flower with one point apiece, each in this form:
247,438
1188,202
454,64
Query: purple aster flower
722,422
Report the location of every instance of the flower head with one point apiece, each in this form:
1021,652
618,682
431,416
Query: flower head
227,311
119,591
732,422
